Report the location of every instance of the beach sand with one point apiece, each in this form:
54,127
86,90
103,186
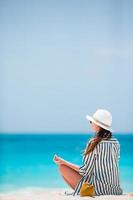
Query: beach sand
52,194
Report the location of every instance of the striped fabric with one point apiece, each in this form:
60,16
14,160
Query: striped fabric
100,168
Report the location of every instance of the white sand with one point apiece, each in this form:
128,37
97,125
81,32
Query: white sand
52,194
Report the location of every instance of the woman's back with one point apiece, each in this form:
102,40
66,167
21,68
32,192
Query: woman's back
100,168
106,169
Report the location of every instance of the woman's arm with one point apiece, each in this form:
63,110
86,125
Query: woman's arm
71,165
88,163
59,160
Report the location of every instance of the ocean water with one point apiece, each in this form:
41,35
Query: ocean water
26,160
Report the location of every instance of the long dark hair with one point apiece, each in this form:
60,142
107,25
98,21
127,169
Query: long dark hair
102,134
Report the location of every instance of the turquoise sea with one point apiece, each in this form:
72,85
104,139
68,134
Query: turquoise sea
26,160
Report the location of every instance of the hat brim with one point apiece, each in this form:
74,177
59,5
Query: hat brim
90,118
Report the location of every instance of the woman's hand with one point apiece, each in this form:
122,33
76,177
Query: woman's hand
58,160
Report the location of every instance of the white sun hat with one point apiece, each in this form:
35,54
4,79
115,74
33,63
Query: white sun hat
102,118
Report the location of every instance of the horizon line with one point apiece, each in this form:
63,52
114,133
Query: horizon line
61,133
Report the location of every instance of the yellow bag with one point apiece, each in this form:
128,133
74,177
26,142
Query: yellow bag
87,190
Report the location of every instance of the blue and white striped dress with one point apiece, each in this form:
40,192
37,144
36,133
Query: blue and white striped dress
100,168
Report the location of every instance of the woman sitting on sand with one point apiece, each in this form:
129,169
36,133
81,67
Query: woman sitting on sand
100,159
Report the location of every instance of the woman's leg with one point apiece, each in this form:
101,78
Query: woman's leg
71,176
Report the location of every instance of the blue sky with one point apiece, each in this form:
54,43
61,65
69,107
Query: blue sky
61,60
